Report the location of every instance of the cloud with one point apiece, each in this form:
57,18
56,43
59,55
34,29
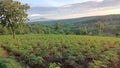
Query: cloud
95,13
35,15
67,5
89,8
96,0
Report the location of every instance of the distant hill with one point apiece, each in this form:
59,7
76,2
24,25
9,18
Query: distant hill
113,19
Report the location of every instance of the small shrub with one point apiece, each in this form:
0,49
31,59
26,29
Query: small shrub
8,63
54,65
97,64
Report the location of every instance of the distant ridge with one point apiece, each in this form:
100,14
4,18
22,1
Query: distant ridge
75,21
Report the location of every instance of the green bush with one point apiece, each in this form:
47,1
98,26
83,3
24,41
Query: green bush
97,64
8,63
54,65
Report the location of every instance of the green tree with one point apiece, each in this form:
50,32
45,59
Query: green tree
12,14
99,27
84,30
58,28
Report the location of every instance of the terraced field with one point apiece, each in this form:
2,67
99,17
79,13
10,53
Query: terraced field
61,51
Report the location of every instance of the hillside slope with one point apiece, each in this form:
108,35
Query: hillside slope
114,19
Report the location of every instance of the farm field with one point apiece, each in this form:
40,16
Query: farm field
59,33
59,51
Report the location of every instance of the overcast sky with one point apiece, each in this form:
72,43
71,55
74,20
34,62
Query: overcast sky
64,9
55,3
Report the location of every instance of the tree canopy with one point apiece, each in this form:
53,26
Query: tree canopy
12,14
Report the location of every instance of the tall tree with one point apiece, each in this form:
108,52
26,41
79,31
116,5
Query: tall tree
58,28
12,14
99,27
84,30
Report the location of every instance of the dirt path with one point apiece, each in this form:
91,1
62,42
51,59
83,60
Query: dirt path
3,53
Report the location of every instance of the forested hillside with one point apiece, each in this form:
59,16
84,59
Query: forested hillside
108,25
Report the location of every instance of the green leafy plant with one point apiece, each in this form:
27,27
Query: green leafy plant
54,65
8,63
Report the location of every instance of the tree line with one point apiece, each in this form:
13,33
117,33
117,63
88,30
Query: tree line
98,29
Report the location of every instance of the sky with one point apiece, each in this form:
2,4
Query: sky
65,9
55,3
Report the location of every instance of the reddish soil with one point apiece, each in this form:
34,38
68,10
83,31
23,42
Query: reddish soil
3,53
